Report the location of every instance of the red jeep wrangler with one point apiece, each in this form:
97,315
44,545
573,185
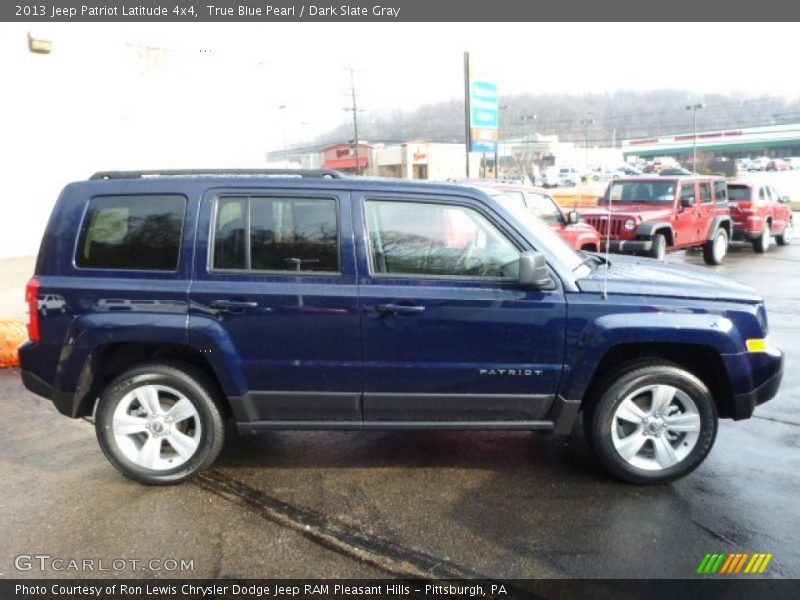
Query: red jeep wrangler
650,215
577,234
758,213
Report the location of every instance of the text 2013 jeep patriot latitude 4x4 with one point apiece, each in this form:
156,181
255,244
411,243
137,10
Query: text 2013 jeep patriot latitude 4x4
306,300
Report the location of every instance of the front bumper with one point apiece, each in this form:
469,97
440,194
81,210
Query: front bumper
760,374
629,246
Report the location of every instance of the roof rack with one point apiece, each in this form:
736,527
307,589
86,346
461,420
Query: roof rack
304,173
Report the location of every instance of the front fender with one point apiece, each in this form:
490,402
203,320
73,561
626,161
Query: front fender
583,238
679,327
647,229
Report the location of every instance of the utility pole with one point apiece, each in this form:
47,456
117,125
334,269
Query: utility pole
586,122
527,134
694,108
355,109
467,111
285,152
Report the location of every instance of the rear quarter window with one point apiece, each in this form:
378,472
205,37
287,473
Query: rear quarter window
135,232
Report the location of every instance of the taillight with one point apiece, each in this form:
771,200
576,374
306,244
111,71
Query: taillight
32,299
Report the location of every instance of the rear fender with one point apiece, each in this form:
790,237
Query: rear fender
719,221
98,329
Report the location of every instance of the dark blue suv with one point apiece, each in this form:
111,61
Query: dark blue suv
307,300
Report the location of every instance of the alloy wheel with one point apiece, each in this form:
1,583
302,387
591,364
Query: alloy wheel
655,427
156,427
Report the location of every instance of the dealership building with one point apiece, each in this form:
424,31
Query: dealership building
746,142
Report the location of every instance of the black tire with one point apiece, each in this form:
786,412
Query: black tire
785,238
716,248
599,419
761,243
659,248
195,386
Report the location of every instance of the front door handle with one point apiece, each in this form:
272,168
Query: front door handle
399,309
232,304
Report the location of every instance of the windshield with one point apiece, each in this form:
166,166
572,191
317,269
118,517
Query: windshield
655,192
541,235
543,207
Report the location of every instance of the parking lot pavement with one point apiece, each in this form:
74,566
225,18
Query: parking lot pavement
450,503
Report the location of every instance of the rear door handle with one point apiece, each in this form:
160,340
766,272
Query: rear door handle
232,304
399,309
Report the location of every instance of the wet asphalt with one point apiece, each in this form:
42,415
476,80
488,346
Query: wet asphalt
450,504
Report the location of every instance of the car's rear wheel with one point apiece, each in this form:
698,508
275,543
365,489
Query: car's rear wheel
715,249
785,238
761,243
652,424
659,248
158,423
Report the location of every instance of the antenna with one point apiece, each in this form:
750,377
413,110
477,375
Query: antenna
608,241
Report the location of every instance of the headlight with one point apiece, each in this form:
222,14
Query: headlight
629,224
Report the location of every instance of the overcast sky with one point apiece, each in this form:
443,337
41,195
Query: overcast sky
210,96
407,64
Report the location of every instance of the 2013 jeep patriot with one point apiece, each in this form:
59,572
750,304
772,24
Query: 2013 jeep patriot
305,300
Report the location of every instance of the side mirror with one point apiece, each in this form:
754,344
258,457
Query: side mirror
687,202
573,217
785,199
533,271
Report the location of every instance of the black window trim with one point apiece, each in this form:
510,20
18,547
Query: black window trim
447,278
248,270
129,270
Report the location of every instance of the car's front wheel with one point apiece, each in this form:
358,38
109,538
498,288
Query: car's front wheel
652,424
659,248
158,423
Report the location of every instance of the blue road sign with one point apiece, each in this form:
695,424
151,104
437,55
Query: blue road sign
483,146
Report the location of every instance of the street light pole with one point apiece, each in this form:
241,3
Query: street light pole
694,108
283,129
497,143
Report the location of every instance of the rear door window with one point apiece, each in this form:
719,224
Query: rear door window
705,192
276,234
141,232
687,193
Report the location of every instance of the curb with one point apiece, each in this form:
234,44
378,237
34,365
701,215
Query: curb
13,333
